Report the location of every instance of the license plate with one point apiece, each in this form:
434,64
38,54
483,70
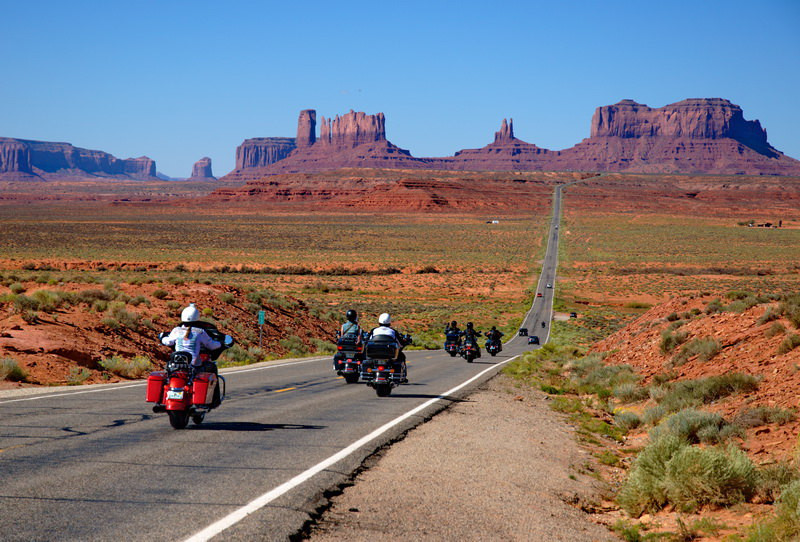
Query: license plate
175,394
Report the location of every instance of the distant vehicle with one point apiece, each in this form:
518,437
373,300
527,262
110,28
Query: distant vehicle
573,315
538,294
556,226
533,339
523,332
549,285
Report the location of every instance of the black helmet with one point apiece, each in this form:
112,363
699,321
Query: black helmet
494,328
351,315
469,325
453,324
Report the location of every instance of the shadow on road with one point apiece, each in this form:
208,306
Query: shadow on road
426,396
251,426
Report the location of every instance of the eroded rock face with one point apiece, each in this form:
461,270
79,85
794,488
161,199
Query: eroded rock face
52,160
708,118
201,171
15,156
306,128
260,152
352,129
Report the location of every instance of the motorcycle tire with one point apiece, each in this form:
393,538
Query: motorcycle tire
197,419
469,359
178,419
453,354
383,390
351,378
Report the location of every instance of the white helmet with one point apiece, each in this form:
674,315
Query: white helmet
190,314
385,319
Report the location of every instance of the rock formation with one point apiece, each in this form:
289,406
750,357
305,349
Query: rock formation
306,128
260,152
201,171
692,136
50,160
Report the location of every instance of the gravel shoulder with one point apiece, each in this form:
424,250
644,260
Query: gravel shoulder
499,465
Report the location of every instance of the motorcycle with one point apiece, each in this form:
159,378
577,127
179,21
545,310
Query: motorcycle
349,356
452,344
182,391
380,368
469,349
494,346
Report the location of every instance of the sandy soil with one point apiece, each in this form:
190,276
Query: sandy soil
498,466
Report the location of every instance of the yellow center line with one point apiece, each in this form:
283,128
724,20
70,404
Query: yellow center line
338,377
285,389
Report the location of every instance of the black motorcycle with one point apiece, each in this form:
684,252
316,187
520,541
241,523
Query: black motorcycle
382,368
494,346
470,349
452,343
349,356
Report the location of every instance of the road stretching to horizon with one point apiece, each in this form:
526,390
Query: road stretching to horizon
97,464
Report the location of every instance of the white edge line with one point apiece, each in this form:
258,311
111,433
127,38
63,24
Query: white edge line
46,395
259,502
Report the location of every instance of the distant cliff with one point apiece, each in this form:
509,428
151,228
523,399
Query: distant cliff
22,158
701,135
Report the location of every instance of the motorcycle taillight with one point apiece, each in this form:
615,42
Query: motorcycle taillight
339,347
381,368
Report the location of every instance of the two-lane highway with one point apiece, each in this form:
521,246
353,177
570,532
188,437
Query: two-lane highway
97,464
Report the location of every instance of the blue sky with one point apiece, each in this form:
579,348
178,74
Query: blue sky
178,80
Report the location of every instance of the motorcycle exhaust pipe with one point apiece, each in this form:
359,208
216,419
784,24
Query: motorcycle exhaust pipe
159,408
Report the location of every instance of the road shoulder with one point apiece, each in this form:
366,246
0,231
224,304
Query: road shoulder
498,465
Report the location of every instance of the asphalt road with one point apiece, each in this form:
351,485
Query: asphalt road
97,464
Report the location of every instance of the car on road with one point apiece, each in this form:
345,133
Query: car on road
549,285
538,294
533,339
523,332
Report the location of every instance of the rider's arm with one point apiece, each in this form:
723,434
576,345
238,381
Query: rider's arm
170,339
207,342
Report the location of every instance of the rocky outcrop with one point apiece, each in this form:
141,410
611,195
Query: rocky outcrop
201,170
692,136
15,156
306,128
51,160
710,118
259,152
352,129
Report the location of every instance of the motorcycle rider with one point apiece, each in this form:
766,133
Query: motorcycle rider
451,332
386,332
351,327
494,334
470,334
189,337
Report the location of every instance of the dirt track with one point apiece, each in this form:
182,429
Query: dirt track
498,466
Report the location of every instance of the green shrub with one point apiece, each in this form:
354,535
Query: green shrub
627,420
738,294
24,303
785,526
790,308
669,340
227,297
10,370
124,317
17,288
630,392
78,375
762,415
91,296
138,300
237,355
644,490
704,348
773,478
173,305
135,367
699,476
789,343
324,347
690,425
653,415
769,315
672,317
714,306
294,345
693,393
775,329
160,294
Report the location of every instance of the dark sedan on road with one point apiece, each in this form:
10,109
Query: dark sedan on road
533,339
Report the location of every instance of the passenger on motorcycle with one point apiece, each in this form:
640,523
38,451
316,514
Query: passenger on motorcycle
386,332
451,331
190,337
470,333
494,334
351,328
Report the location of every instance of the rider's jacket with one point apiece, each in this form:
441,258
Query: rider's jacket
494,335
192,342
383,331
352,329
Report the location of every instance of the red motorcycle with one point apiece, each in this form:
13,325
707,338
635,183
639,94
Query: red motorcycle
185,392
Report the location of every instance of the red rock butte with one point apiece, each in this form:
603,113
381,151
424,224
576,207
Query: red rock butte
703,135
